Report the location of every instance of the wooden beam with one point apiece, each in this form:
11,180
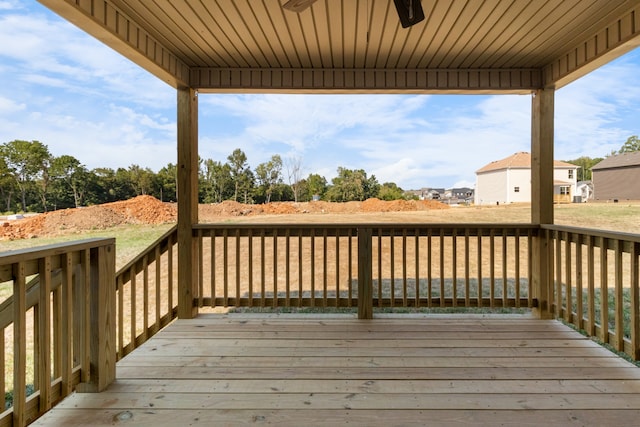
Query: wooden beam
340,80
187,201
613,40
542,110
104,21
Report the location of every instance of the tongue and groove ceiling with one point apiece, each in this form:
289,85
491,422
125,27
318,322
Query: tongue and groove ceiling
347,46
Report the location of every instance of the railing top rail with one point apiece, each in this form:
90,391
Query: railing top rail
354,226
617,235
11,257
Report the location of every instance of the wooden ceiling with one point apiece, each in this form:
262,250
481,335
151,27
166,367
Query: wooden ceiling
463,46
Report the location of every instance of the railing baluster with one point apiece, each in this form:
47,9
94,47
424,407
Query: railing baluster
404,267
619,307
225,266
120,288
392,264
250,265
313,268
441,260
237,267
43,338
68,313
262,269
133,306
492,267
568,316
417,261
324,268
558,281
214,264
530,267
604,290
350,237
579,285
591,287
337,266
170,244
200,268
479,250
380,267
275,268
505,289
454,267
145,298
287,237
429,268
467,277
19,344
517,267
300,264
634,284
158,264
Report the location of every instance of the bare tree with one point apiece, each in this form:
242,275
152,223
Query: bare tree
294,175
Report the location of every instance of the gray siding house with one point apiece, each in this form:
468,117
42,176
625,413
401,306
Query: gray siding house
617,177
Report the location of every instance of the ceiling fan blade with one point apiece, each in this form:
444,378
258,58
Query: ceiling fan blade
298,5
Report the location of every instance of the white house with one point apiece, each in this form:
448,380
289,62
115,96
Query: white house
509,181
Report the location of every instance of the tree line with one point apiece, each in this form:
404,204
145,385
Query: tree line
33,180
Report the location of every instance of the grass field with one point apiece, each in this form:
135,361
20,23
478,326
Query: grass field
131,239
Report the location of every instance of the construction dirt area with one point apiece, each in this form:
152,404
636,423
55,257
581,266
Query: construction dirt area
149,210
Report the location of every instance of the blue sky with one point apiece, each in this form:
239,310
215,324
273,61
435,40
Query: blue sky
75,95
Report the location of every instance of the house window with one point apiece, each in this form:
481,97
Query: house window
516,189
570,173
564,191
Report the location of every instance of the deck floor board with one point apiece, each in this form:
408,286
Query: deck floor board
291,370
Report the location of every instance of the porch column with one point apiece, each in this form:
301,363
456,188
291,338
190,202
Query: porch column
187,201
542,109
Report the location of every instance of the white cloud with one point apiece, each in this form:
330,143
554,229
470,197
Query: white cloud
9,106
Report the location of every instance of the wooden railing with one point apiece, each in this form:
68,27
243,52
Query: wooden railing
70,316
147,293
595,284
59,317
365,266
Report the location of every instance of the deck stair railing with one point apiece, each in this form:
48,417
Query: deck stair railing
58,322
70,317
147,291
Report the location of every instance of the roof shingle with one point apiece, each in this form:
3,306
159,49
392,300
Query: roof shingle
619,161
521,160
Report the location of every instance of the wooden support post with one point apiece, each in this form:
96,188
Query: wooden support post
542,110
187,202
102,319
365,281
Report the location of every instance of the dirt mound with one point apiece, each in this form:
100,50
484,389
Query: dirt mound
149,210
139,210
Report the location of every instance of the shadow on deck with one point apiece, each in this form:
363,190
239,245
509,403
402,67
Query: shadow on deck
332,370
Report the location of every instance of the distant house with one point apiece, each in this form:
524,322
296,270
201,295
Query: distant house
584,191
458,195
617,177
509,181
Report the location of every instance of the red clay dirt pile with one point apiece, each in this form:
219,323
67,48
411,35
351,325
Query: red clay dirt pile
139,210
149,210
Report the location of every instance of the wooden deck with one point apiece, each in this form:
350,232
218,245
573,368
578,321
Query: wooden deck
330,370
